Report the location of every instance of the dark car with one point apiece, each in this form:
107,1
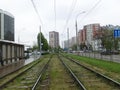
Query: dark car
115,52
107,52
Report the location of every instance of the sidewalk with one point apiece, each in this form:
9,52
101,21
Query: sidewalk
31,59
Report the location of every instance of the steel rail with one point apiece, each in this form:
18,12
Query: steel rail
2,86
41,73
99,74
73,75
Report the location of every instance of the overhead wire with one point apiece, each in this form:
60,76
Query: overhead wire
40,20
96,4
55,13
70,13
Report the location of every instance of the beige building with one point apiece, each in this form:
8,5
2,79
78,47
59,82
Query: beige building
54,39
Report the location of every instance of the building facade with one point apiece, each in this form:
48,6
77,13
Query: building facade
6,26
88,35
54,39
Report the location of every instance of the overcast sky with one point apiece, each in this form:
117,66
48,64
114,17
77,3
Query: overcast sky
27,22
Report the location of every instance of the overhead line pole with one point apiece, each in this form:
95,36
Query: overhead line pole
40,40
77,29
68,37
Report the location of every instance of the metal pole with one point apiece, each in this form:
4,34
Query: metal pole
40,40
77,29
68,38
76,35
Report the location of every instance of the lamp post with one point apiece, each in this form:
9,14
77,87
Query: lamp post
77,28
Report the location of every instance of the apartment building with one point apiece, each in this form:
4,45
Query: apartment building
88,35
54,39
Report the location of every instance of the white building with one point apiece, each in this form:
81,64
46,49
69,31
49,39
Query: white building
91,32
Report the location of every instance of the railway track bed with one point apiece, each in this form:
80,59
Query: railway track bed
90,79
25,79
59,73
56,77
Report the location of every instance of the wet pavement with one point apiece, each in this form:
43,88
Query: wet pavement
31,59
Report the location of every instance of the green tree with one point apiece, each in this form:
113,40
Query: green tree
108,40
74,47
34,47
44,43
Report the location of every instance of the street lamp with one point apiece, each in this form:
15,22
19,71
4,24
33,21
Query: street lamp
77,28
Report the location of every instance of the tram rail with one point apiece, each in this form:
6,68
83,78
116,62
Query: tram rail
41,73
81,86
21,74
107,79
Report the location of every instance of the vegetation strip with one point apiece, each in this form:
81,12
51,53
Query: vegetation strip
59,77
74,76
42,70
107,65
107,78
19,72
90,78
18,79
111,69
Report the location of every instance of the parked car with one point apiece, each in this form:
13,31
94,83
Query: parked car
115,52
107,52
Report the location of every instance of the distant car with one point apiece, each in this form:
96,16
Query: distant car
107,52
38,53
115,52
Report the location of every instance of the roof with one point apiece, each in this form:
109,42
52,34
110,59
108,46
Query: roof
10,42
7,13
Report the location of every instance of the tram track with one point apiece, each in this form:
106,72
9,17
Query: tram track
81,86
56,77
25,79
34,87
91,79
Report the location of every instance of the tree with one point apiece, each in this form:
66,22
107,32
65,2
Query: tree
44,43
107,38
74,47
35,47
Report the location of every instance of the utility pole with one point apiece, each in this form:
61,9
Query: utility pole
68,37
77,28
40,40
76,35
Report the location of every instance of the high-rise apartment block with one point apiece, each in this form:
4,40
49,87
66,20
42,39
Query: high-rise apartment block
54,39
89,34
6,26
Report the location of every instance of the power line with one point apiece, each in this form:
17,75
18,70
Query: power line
55,12
70,13
40,20
96,4
36,11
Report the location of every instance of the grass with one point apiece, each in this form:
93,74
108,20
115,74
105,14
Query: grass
59,78
107,65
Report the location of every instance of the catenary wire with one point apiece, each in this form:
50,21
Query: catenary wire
70,13
55,13
96,4
40,20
